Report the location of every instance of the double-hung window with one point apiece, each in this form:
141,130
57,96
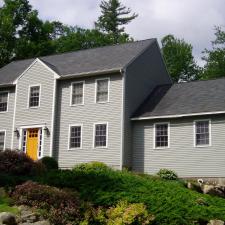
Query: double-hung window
2,140
34,98
202,133
102,90
100,135
77,93
161,135
3,101
75,137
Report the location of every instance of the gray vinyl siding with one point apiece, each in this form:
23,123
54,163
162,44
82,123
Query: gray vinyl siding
6,118
25,116
142,76
87,115
182,156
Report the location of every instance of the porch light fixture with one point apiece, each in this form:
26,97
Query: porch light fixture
16,131
46,130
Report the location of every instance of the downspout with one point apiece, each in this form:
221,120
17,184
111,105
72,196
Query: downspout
123,73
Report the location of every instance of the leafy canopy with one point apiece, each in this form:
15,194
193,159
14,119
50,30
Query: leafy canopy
215,58
114,16
179,59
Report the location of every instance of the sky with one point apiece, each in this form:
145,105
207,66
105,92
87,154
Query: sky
192,20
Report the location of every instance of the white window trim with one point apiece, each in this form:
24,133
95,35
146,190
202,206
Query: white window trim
28,102
7,109
107,134
194,132
4,139
69,134
22,128
96,83
154,135
71,93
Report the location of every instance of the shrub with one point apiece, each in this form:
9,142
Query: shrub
16,163
60,207
167,174
91,166
123,213
50,163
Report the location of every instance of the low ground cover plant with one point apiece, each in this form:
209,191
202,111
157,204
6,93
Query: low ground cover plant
60,207
167,174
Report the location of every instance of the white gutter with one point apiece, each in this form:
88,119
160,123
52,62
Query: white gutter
178,116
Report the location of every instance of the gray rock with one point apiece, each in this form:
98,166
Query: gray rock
215,222
214,190
7,218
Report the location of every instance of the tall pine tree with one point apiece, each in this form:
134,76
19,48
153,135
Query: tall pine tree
114,16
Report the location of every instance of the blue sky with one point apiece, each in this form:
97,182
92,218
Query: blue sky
192,20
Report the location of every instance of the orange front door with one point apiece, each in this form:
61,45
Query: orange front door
32,143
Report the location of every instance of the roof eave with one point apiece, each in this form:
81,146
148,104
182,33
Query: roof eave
178,115
7,85
92,73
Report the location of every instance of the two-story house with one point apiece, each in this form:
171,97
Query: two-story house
114,104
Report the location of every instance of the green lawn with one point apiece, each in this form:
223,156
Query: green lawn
5,205
170,201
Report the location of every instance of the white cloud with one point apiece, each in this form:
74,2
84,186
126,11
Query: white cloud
192,20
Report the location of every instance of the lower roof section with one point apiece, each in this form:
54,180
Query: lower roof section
184,99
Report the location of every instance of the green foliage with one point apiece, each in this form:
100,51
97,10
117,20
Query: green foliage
49,163
114,15
61,207
167,174
92,166
215,58
170,201
121,214
179,59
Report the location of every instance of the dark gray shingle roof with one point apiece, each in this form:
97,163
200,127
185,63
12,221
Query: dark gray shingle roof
184,98
84,61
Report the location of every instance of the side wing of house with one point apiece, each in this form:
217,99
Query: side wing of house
182,155
142,75
7,100
34,109
77,140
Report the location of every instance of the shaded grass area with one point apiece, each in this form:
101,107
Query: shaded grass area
5,205
170,201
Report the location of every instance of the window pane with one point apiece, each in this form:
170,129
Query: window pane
2,140
34,96
102,90
202,133
100,135
3,101
77,93
75,137
161,135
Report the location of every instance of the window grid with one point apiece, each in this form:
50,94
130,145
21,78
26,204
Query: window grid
202,133
75,137
161,135
3,101
77,93
24,147
34,96
2,140
40,143
102,90
100,135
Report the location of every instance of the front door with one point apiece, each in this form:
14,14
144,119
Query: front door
32,143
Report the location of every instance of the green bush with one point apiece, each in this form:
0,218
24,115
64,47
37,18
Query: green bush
167,174
17,163
59,206
123,213
91,166
50,163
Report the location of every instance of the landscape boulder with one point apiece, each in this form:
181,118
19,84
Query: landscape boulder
7,218
218,190
215,222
